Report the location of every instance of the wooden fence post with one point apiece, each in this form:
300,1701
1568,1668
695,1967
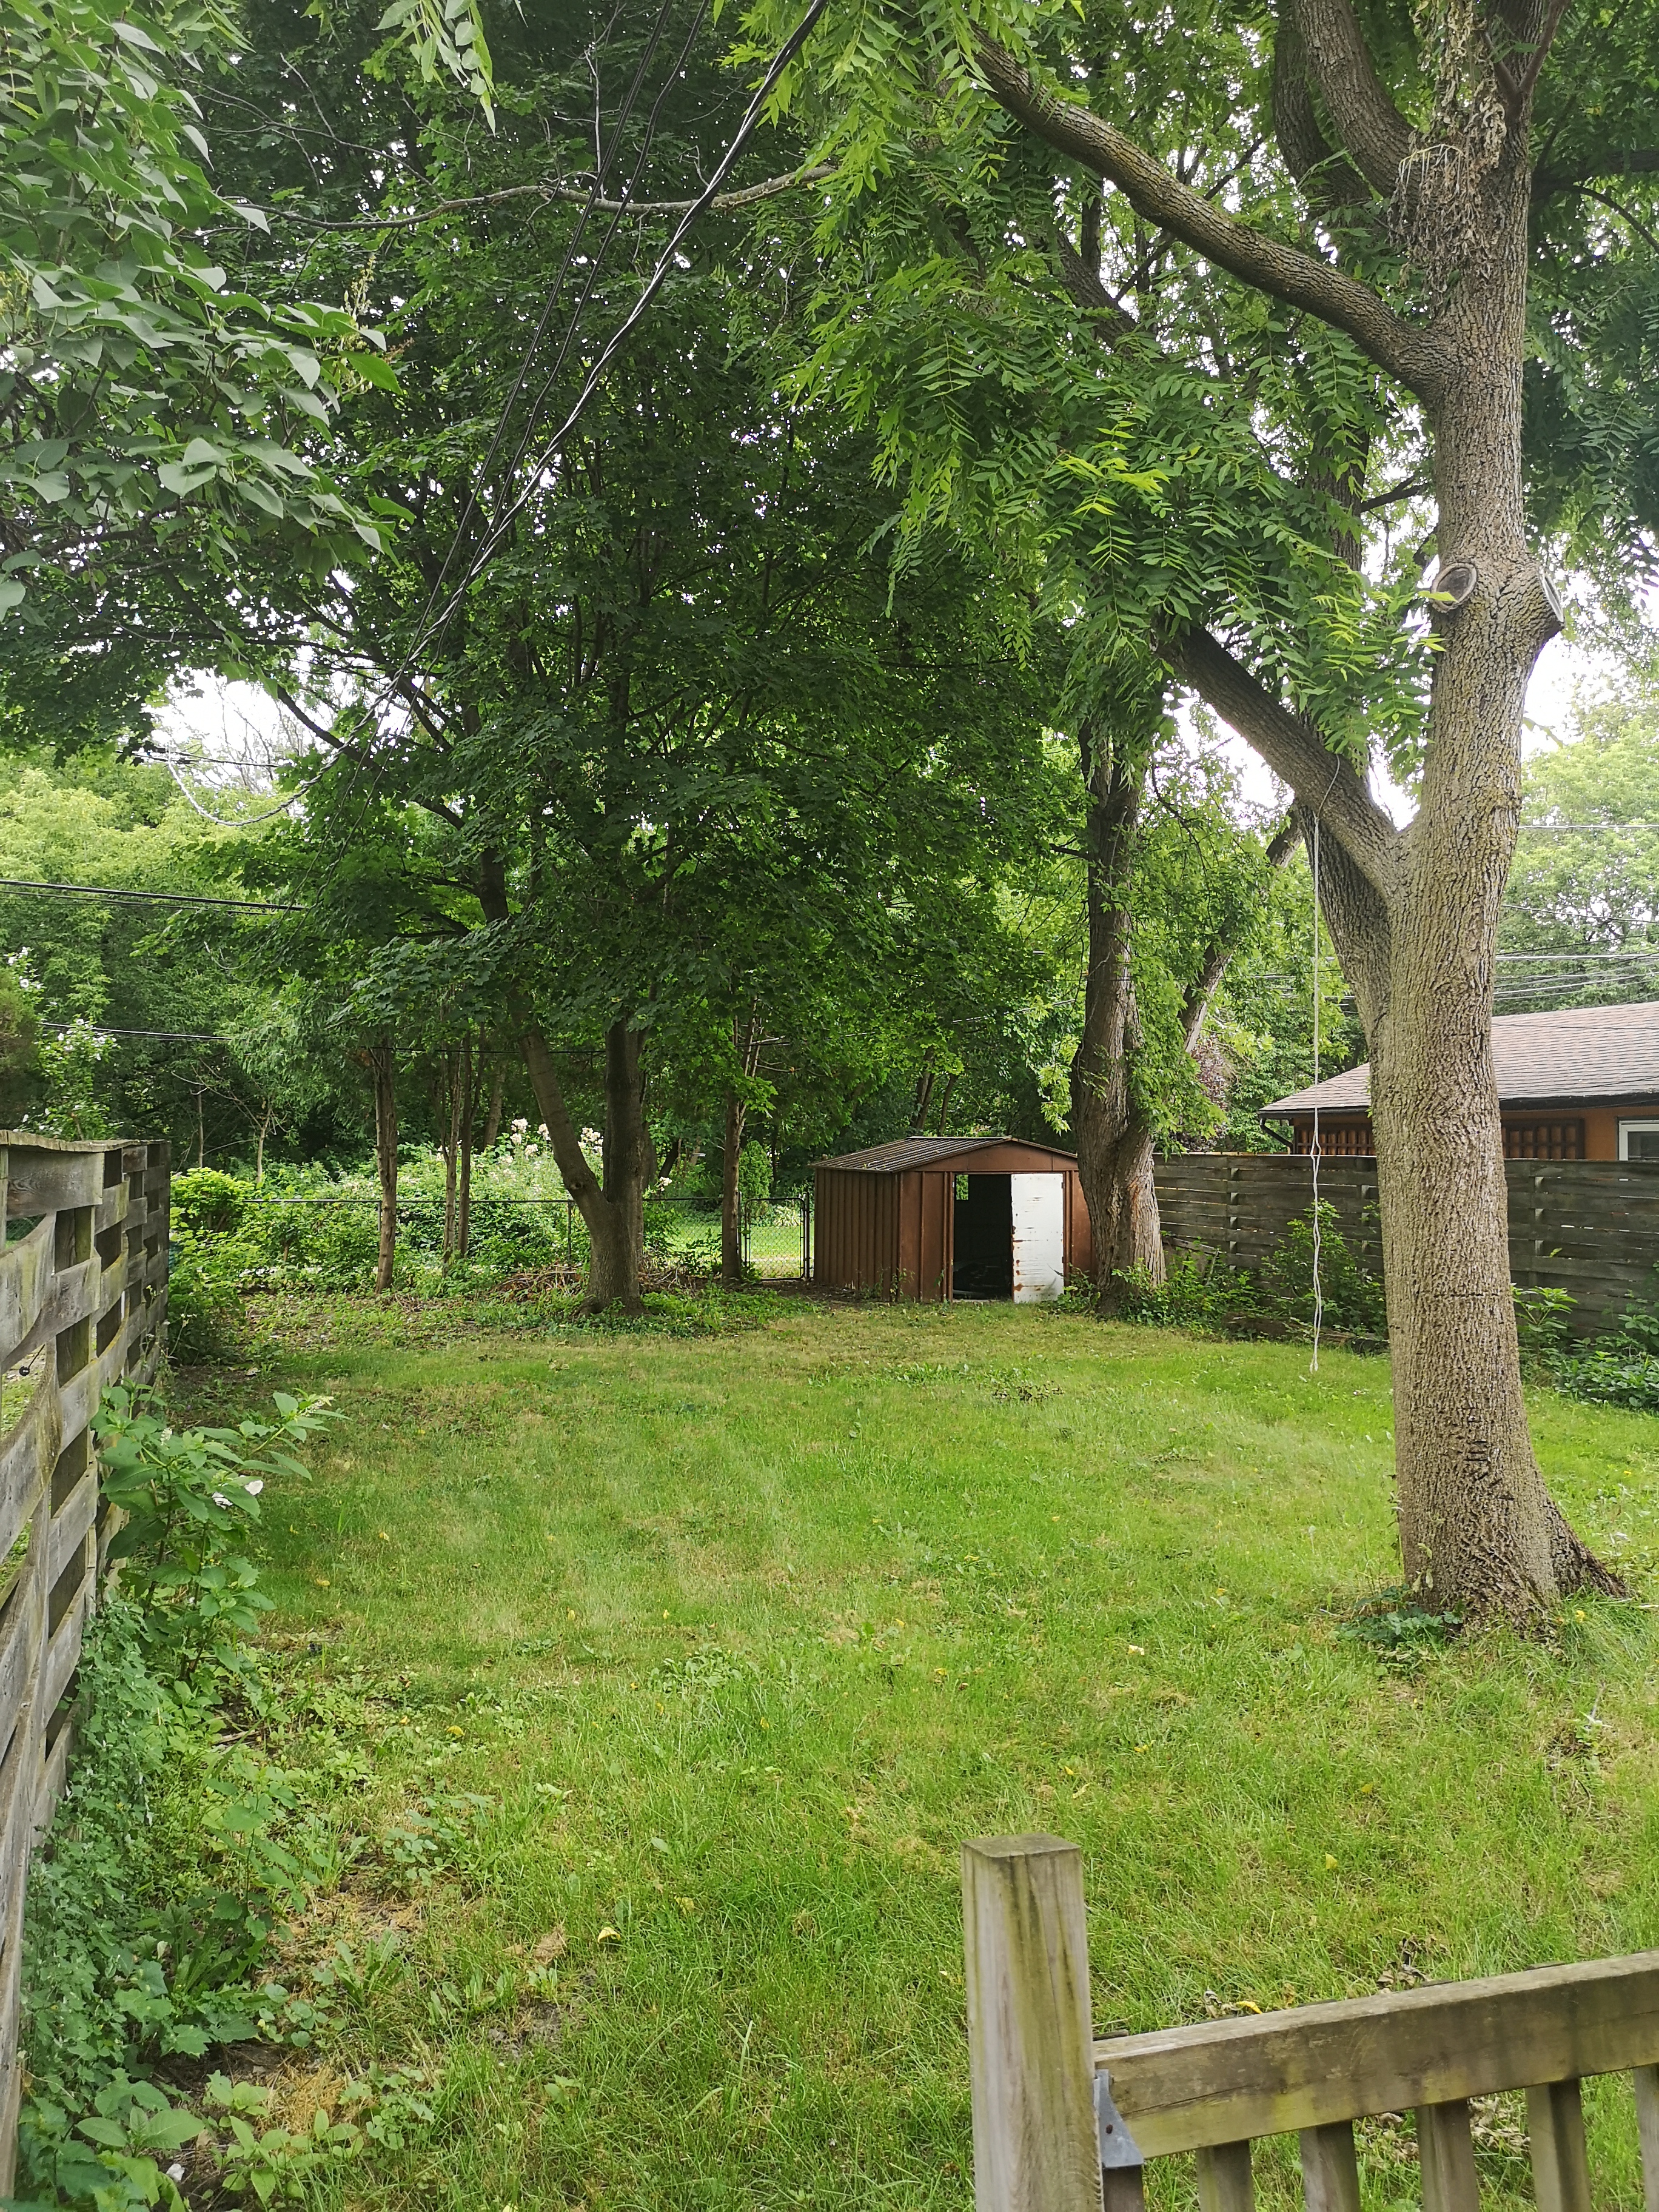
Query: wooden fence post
1031,2051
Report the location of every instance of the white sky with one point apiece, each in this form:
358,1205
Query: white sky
234,732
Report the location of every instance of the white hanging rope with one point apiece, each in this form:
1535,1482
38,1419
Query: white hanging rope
1318,1294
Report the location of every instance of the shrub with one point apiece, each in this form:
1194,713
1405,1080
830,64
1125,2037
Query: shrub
1197,1290
151,1908
206,1276
210,1204
1350,1296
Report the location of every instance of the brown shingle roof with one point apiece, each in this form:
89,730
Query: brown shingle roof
1573,1053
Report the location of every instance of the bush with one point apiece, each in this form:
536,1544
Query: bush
1197,1290
209,1204
1350,1296
178,1844
206,1276
1619,1369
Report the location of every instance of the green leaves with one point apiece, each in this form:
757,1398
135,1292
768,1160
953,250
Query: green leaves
446,34
186,1495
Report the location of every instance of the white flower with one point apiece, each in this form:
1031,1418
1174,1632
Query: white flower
542,1130
219,1498
175,2171
254,1488
519,1126
530,1151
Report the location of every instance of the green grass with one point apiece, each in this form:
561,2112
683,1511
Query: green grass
739,1635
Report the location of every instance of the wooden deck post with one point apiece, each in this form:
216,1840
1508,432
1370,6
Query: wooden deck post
1030,2054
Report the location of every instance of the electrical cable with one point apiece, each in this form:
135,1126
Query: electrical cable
167,1037
164,898
1318,1294
571,247
654,284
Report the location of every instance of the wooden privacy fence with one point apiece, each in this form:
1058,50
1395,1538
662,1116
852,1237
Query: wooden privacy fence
1064,2124
1590,1227
82,1301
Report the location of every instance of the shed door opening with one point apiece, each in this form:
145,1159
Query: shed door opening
1038,1206
983,1229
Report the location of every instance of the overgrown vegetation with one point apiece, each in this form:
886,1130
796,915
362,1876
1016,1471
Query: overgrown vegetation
581,1824
181,1840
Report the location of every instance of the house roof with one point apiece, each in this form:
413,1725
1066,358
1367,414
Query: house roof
1565,1057
931,1151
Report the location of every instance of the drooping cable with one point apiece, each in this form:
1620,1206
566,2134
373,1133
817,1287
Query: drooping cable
654,284
1318,1292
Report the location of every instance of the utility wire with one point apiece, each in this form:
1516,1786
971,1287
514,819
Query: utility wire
164,898
619,337
169,1037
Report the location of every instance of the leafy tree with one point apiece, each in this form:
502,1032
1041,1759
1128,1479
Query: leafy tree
1423,202
1586,895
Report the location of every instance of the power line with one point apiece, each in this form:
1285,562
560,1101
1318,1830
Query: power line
169,1037
618,337
164,898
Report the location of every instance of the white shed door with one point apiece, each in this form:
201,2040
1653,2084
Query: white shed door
1039,1208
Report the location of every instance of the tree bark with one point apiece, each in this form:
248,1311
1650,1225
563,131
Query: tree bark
731,1164
614,1211
383,1073
1113,1136
469,1111
1414,913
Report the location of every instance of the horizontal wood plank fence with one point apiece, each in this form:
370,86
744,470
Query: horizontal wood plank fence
1589,1227
1064,2124
82,1304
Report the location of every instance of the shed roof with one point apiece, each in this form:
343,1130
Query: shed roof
931,1152
1561,1058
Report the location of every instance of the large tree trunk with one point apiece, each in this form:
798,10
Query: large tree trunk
1113,1136
1414,913
383,1073
614,1212
1477,1525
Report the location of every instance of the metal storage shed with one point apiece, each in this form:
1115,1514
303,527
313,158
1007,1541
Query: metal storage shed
951,1218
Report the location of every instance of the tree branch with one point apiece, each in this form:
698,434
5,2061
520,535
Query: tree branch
1084,290
1328,180
1292,748
1217,956
1631,161
722,204
1284,271
1372,128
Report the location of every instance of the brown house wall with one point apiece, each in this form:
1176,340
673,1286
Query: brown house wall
1596,1129
895,1234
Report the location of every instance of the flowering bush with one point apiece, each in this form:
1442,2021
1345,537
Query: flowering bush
188,1494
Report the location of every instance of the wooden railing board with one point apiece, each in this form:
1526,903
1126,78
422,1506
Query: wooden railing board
1277,2073
1214,2087
84,1293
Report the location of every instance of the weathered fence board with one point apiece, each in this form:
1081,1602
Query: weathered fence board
1216,2087
83,1302
1589,1227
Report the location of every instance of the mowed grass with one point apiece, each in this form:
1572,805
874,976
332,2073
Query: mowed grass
737,1637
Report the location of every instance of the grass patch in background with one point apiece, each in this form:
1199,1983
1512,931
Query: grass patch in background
666,1676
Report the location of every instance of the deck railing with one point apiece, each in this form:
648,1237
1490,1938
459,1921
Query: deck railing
82,1303
1064,2124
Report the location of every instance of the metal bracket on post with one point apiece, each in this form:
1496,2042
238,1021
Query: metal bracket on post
1120,2162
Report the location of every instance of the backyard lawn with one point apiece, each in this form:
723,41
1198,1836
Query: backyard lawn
670,1671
